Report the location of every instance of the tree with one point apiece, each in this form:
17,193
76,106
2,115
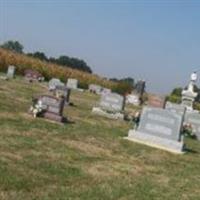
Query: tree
177,91
39,55
13,46
74,63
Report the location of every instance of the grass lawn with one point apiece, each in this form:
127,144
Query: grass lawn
87,159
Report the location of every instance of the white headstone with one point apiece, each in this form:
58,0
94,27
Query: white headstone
72,83
11,71
55,82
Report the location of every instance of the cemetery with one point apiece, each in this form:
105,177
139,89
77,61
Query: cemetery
99,100
92,149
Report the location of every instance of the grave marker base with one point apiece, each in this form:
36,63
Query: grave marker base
54,117
157,142
99,111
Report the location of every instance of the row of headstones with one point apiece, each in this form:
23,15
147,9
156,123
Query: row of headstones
162,128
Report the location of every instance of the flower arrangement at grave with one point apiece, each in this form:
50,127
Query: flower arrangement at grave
36,108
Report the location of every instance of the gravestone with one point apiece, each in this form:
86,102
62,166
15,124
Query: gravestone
53,107
53,83
63,91
193,118
72,83
32,75
111,105
11,71
140,87
133,99
176,108
95,88
159,128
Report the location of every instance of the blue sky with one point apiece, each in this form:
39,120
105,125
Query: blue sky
155,40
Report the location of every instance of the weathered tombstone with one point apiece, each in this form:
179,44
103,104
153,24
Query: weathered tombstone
95,88
140,87
32,75
133,99
159,128
111,105
72,83
11,71
53,83
193,118
156,101
53,107
63,91
176,108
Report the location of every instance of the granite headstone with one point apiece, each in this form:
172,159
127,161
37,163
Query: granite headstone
72,83
159,128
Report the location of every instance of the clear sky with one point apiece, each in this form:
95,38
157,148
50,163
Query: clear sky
155,40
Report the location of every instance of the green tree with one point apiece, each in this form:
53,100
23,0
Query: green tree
39,55
13,46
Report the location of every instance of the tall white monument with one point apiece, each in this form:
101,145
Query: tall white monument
188,95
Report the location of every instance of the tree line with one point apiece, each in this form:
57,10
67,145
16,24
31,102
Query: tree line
63,60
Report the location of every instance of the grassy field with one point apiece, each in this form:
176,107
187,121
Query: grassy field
86,159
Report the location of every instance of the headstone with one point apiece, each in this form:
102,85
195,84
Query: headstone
140,87
159,128
193,118
176,108
32,75
53,107
133,99
11,71
95,88
112,102
63,91
72,83
111,105
53,83
156,101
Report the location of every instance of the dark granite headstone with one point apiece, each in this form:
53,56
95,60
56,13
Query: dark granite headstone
32,75
53,107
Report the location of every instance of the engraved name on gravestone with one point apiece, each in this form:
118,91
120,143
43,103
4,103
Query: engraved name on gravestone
112,102
11,71
72,83
55,82
161,123
176,108
54,107
193,118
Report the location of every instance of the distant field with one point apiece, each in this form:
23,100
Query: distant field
86,159
49,70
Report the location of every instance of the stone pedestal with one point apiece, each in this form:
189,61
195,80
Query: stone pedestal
188,97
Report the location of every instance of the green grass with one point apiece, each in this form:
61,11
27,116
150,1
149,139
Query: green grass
87,159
